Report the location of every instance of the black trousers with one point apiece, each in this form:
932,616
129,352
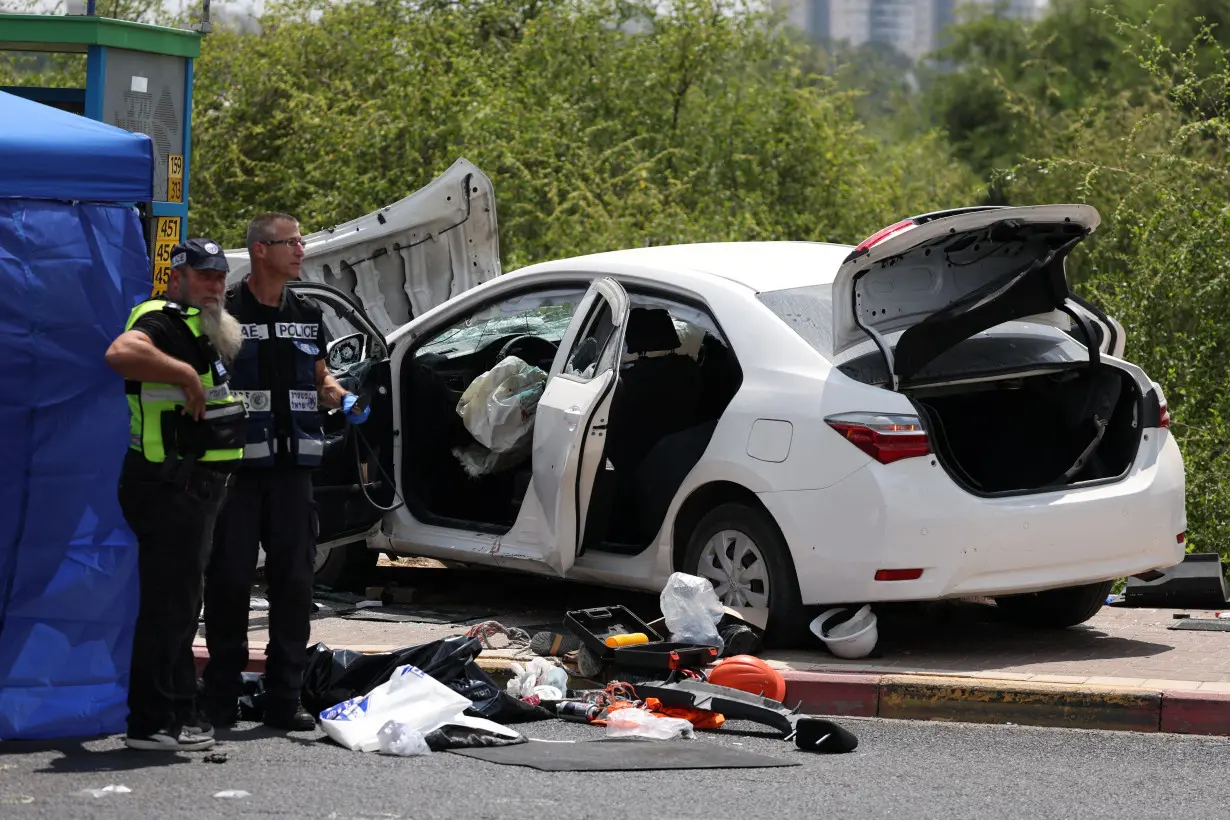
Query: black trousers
270,508
174,526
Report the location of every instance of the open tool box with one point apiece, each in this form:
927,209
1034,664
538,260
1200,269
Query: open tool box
594,626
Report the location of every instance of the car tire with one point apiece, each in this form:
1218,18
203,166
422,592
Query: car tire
787,621
346,566
1056,608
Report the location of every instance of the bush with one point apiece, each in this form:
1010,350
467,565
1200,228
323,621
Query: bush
603,124
1155,163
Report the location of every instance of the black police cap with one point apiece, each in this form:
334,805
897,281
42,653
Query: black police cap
201,254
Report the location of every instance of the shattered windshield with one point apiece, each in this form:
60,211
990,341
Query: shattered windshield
544,314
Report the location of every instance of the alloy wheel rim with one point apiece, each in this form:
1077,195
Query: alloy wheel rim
734,563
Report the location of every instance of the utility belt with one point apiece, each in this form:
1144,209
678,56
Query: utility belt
201,481
186,440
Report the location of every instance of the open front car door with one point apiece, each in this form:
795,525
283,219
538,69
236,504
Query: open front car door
353,487
572,417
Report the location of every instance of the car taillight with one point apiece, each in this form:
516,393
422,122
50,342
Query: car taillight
1163,409
884,233
883,436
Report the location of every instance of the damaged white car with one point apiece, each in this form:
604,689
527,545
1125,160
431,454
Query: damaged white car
930,414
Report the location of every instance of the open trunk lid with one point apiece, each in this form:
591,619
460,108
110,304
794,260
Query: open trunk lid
946,276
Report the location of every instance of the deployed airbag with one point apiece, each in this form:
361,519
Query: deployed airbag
498,409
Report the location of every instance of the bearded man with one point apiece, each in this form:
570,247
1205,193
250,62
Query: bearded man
186,436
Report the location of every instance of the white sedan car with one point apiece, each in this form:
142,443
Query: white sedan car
930,414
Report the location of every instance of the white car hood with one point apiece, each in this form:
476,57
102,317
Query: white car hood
402,260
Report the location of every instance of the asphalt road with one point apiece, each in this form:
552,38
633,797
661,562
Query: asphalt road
908,770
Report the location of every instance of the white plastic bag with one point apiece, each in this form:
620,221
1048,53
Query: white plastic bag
691,609
633,722
398,739
541,678
410,697
498,407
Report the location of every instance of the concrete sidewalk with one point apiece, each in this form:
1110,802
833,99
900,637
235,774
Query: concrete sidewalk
956,661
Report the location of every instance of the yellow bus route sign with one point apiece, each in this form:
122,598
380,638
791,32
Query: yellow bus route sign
165,238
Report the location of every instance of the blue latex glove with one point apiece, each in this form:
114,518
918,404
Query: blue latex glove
348,403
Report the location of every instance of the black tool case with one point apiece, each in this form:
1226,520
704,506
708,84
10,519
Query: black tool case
594,626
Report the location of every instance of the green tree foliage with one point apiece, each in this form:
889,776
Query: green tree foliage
602,123
1076,55
1155,161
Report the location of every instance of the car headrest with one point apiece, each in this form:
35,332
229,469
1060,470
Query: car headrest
650,330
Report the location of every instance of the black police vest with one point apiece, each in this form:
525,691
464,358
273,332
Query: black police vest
275,374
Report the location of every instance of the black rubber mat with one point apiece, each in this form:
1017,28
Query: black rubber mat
1202,624
625,755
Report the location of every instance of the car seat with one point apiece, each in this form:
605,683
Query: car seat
657,395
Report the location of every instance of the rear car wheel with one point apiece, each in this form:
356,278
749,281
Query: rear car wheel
1056,608
740,551
345,566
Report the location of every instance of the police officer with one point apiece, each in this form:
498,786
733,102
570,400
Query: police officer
187,432
280,372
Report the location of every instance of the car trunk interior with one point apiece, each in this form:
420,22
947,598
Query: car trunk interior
1037,432
663,414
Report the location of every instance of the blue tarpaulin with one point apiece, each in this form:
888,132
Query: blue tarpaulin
70,271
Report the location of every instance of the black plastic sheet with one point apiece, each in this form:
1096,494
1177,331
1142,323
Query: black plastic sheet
336,675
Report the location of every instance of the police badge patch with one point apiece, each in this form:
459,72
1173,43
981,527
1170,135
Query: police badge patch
308,348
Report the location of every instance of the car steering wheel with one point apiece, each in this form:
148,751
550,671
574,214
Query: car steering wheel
527,341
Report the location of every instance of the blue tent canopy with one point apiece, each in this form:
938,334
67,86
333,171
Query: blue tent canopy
72,265
46,153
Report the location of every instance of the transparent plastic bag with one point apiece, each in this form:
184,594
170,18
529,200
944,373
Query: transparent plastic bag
540,677
498,407
399,739
691,609
633,722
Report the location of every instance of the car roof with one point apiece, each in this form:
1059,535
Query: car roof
760,266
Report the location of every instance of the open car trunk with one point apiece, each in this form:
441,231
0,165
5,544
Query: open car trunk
1036,432
961,306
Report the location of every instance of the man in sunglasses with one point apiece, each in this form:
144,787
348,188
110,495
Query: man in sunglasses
281,375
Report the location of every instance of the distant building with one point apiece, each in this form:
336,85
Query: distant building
912,27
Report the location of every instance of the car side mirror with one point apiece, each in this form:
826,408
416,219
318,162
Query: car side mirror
345,352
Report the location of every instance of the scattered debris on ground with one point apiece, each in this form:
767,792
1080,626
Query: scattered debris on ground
662,683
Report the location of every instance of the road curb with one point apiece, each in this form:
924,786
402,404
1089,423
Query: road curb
983,700
1196,713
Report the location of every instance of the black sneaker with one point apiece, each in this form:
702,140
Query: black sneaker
169,741
289,719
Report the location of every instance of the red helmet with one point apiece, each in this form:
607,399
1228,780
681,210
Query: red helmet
749,674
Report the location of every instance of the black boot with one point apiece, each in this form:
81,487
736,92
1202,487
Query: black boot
289,717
